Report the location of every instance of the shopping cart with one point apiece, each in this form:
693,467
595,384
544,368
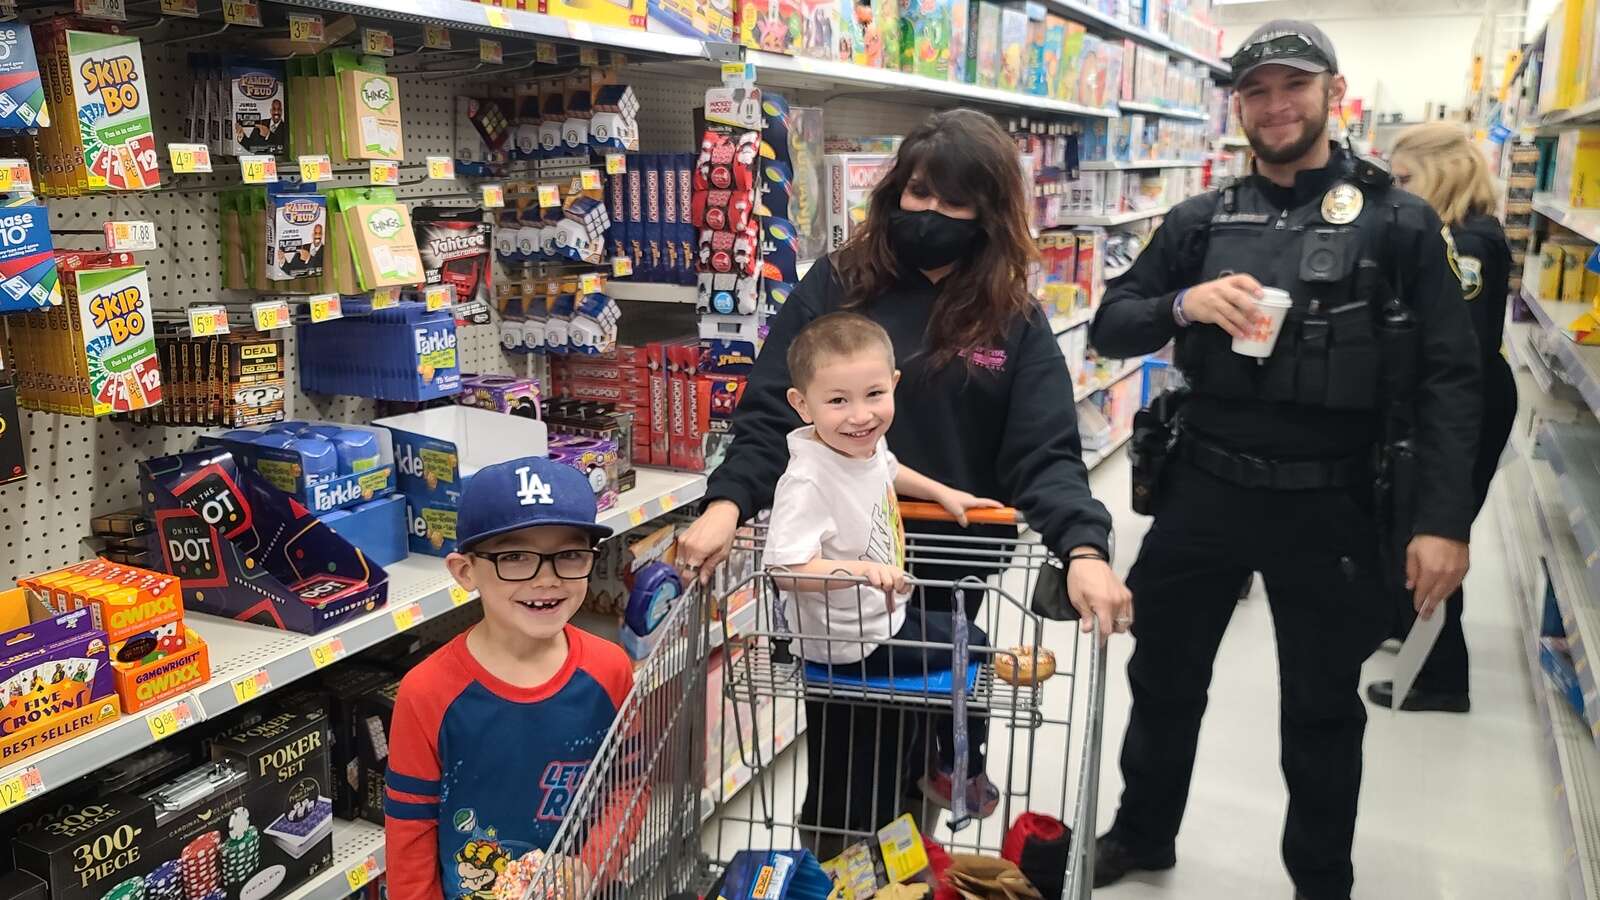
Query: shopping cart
640,823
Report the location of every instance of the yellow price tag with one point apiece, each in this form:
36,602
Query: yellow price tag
458,595
495,17
616,163
167,722
20,787
589,179
441,168
491,51
306,28
588,56
545,52
385,297
668,503
189,158
549,196
189,9
259,169
636,516
327,652
15,175
271,314
384,172
206,321
251,686
621,267
358,875
407,617
493,196
325,307
438,296
377,42
242,12
435,37
315,168
589,283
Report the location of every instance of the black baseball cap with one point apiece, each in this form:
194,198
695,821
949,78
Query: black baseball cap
1284,42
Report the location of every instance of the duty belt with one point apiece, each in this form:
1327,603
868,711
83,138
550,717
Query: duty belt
1249,471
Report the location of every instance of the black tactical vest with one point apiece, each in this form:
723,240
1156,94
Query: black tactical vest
1327,354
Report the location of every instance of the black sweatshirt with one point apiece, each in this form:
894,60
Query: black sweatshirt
1136,317
1006,429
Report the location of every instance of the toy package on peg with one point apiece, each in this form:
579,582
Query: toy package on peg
482,135
522,141
113,145
453,244
22,103
296,233
28,279
579,113
612,126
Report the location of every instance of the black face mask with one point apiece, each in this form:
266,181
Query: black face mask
930,240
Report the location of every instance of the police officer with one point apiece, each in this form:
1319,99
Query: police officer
1275,462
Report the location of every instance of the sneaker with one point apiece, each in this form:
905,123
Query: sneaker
1113,860
982,797
1381,693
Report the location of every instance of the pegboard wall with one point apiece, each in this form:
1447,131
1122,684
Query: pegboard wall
81,467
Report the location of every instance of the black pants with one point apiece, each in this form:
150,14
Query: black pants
1317,553
862,761
1445,669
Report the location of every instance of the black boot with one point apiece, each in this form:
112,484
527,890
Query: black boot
1381,693
1113,859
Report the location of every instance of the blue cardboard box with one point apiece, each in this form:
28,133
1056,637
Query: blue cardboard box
282,468
377,528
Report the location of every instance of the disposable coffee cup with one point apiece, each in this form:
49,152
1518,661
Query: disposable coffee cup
1271,309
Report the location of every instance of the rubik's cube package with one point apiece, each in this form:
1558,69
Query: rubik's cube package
22,104
247,551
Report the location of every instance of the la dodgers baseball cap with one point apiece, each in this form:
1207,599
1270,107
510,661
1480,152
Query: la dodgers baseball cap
524,493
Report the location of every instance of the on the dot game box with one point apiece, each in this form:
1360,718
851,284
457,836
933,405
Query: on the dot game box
246,550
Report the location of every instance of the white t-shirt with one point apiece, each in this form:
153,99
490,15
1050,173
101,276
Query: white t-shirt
831,506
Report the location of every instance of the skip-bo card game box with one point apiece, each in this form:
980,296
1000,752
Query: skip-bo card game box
247,551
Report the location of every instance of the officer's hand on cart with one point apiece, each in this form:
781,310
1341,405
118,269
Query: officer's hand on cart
1434,569
1095,591
956,503
709,539
1228,302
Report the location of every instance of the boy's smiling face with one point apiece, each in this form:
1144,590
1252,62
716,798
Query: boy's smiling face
539,608
850,400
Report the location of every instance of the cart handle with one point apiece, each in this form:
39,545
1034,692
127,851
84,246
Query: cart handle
922,511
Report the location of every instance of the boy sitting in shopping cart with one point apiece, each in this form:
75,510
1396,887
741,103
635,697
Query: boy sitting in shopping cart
835,518
493,733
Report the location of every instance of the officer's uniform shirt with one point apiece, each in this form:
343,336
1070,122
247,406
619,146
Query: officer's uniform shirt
1135,318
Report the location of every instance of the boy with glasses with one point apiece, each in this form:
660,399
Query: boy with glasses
493,733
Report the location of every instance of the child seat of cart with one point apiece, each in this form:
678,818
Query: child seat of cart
931,682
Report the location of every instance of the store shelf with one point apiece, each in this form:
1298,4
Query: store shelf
1092,458
1083,12
1060,325
466,15
1586,222
1114,219
1234,140
651,292
815,74
1561,521
1106,165
1585,114
1580,363
1171,112
358,857
1084,391
248,661
737,776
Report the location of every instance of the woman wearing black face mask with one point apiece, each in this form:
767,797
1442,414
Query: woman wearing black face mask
985,401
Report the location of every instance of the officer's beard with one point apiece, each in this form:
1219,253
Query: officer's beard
1312,133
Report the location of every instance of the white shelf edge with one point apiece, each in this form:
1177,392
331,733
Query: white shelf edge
1585,222
1171,112
353,843
1582,114
1060,325
650,292
1081,12
1101,165
1084,392
1115,219
1093,458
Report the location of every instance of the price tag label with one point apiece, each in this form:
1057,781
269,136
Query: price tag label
738,74
385,297
115,10
271,314
491,51
549,196
435,37
493,196
188,159
384,172
327,652
635,516
588,56
458,595
171,720
496,17
325,307
358,875
130,236
259,169
438,296
21,786
251,686
306,28
545,52
668,503
441,168
377,42
242,12
589,179
205,321
15,175
189,9
407,617
589,283
621,266
580,31
315,168
616,163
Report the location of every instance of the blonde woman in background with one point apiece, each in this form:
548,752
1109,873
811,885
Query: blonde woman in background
1438,163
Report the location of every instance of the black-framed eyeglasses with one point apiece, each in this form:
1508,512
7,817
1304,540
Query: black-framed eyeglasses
1284,46
525,565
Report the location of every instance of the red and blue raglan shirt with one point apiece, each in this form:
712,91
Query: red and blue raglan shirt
481,771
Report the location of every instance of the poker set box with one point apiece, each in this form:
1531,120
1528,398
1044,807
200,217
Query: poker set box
251,824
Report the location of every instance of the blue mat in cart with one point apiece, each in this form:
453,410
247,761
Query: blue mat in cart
942,682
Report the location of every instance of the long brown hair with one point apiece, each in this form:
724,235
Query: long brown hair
963,158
